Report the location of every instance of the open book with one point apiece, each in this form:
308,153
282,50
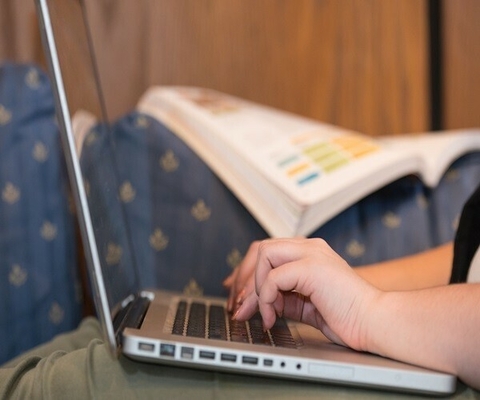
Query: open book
292,173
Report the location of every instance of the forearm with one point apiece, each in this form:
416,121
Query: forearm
427,269
437,328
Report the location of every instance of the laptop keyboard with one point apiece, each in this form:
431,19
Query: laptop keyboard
214,322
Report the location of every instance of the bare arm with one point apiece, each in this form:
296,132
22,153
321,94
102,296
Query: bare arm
434,327
422,270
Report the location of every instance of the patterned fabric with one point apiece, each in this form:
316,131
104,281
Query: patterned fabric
404,217
189,231
39,291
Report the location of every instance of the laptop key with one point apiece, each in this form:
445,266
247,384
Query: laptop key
281,334
258,335
196,321
238,332
216,323
179,322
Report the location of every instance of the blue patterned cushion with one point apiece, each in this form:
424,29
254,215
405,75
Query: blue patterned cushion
404,217
39,291
188,230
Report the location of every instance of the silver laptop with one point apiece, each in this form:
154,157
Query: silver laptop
151,325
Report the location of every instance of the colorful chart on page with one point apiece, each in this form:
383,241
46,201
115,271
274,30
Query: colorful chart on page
311,157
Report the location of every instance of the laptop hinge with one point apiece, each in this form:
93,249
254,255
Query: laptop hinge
131,316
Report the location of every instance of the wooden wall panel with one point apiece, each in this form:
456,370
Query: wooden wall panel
19,35
362,64
461,63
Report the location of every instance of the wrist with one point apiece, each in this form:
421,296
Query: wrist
373,321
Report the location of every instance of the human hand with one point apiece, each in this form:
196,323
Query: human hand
241,281
305,280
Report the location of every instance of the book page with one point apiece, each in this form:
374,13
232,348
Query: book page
436,150
296,153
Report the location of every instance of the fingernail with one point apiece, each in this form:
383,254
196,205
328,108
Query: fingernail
235,315
240,297
229,305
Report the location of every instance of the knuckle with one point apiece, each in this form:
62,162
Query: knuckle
320,242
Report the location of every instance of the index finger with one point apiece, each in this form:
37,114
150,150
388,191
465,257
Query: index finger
274,253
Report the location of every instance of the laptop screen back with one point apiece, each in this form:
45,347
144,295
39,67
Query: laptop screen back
91,156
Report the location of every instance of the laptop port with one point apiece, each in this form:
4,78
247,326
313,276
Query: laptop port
167,350
228,357
268,362
250,360
187,352
146,346
210,355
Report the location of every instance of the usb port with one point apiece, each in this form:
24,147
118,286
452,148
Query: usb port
187,352
167,350
228,357
146,346
210,355
250,360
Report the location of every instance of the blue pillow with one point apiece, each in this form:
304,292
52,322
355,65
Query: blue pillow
39,287
187,229
404,217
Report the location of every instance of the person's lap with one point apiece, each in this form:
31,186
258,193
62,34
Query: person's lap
78,365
